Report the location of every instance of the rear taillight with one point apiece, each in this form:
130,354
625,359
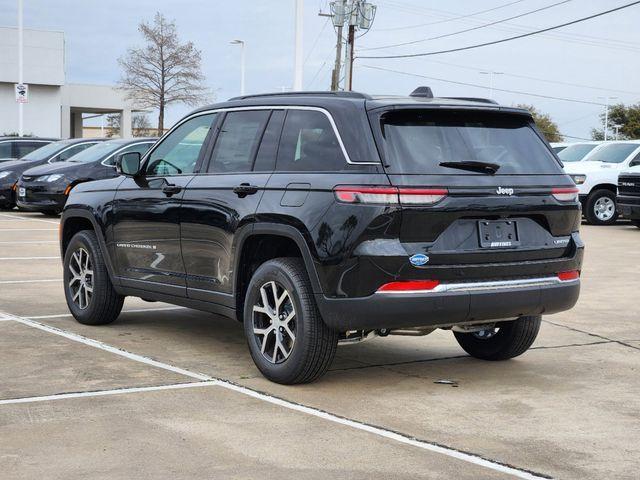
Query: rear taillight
570,275
389,195
569,194
409,286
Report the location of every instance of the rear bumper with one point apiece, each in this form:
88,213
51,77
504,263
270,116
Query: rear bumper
452,304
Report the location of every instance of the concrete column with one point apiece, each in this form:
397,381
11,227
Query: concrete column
125,124
77,124
65,121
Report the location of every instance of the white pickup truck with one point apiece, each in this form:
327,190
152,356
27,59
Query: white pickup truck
597,178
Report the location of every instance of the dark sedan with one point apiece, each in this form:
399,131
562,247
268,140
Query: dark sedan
54,152
45,188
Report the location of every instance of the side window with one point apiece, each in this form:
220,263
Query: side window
636,161
22,148
5,150
266,157
141,148
309,143
237,141
179,151
70,152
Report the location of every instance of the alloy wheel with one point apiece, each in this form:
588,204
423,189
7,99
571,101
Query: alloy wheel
274,322
81,283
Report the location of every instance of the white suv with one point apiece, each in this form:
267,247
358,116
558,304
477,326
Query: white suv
597,178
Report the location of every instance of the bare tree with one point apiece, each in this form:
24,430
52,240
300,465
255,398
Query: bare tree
140,125
164,71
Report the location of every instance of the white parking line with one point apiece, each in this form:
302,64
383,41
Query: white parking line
29,258
25,242
19,217
133,310
48,280
100,393
5,230
108,348
381,432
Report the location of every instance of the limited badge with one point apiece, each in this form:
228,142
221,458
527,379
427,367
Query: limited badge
419,259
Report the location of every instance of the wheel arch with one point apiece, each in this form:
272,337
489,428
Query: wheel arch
604,186
76,220
263,242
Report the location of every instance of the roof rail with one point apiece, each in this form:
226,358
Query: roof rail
320,93
474,99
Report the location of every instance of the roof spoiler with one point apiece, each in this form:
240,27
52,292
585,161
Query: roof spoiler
474,99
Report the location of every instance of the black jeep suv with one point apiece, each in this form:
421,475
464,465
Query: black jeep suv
315,218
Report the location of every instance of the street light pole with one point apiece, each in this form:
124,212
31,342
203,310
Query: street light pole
491,74
606,114
242,63
298,61
20,67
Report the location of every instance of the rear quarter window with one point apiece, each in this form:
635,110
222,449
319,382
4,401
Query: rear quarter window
309,143
420,141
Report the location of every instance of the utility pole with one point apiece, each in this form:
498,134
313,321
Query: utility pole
337,15
20,67
298,61
355,15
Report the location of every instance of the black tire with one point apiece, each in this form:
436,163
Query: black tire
315,344
105,303
590,207
636,223
512,339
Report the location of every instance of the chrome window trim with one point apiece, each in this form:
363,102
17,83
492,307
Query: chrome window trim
65,149
122,148
486,286
265,107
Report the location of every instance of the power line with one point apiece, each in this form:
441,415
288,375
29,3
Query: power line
470,29
527,77
503,40
451,19
466,84
580,39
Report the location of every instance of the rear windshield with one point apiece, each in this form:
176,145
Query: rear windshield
614,153
577,152
420,141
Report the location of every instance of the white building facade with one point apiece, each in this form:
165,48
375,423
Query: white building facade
55,108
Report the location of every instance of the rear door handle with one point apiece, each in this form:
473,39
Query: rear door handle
245,189
171,189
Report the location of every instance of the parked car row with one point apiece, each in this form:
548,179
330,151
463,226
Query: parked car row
595,167
42,179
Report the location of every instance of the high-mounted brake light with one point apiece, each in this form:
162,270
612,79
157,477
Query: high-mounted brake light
389,195
569,194
409,286
570,275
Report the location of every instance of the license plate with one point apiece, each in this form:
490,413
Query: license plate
498,233
22,192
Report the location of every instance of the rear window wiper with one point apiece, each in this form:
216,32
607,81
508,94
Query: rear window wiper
473,166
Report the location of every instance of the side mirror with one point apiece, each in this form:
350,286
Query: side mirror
128,164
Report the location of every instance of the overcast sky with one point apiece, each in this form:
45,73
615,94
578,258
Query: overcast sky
595,58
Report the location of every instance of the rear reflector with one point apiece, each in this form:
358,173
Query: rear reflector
389,195
569,194
570,275
409,286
